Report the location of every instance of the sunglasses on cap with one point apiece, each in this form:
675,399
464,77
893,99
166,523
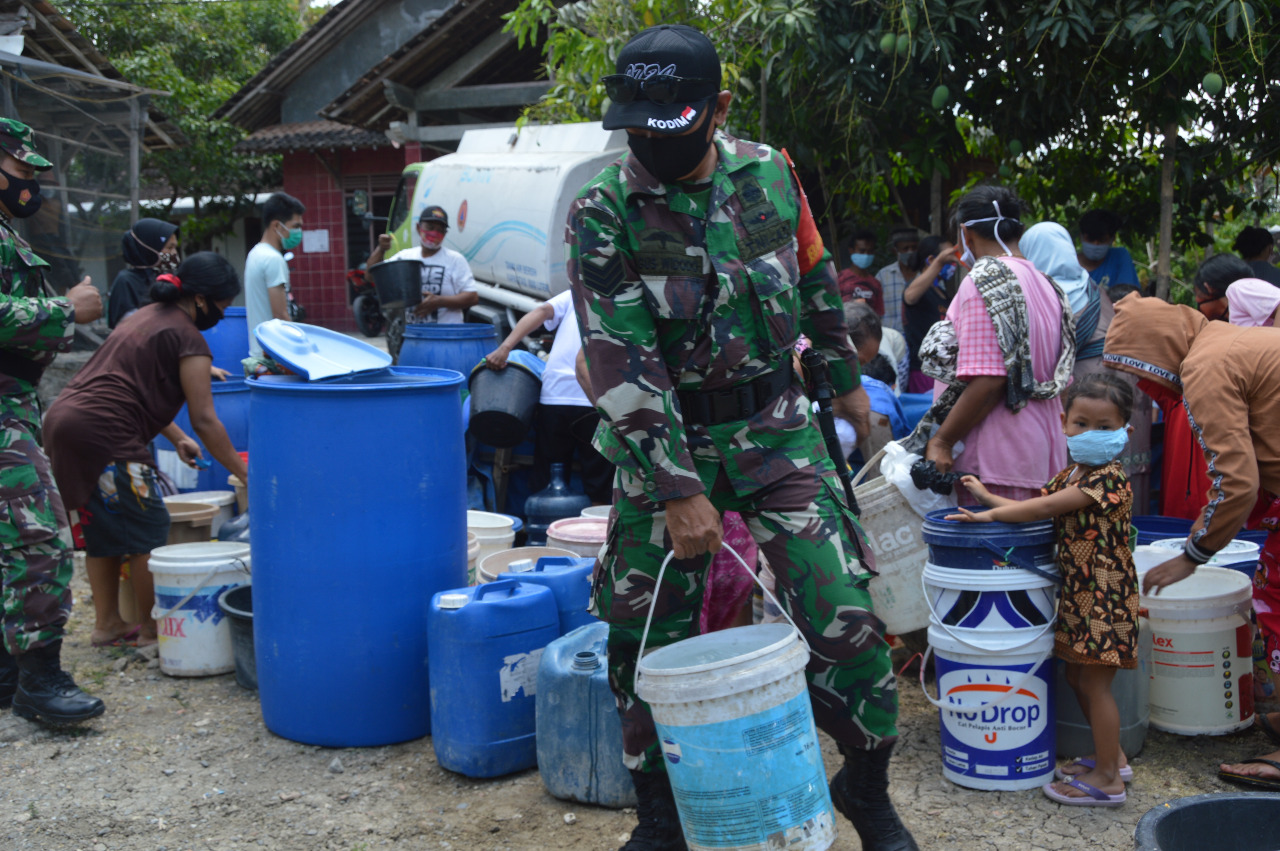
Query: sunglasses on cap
660,88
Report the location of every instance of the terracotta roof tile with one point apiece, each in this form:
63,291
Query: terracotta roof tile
310,136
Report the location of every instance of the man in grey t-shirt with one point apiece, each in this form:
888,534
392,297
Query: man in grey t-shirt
266,275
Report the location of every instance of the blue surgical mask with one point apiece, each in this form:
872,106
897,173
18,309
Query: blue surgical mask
862,261
1094,251
1095,448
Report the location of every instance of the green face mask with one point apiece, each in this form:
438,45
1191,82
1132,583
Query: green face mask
291,240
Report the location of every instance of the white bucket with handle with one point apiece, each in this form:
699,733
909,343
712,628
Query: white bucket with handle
195,638
893,528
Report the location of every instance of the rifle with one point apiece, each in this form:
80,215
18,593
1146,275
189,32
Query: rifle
820,390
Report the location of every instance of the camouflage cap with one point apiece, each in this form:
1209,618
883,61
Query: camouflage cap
17,139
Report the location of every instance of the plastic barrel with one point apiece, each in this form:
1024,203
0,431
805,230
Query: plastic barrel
988,546
229,341
579,732
735,724
358,487
231,402
485,644
448,346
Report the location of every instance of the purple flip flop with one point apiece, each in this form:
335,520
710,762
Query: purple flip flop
1093,797
1125,773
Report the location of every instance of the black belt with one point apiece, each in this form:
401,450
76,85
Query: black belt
733,404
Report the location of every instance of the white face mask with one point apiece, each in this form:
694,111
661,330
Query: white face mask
967,255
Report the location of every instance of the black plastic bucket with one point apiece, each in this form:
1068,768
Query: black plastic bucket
1240,821
237,604
399,283
502,403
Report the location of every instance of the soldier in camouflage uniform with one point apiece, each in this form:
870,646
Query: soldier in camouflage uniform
35,537
695,265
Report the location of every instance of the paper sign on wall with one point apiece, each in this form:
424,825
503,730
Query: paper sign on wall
315,241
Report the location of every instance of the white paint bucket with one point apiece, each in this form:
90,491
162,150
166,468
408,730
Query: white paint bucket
225,501
990,610
493,564
996,711
1202,653
473,553
195,638
894,531
736,729
1235,552
597,511
496,532
583,536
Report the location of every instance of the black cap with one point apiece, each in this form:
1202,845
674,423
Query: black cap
434,214
674,49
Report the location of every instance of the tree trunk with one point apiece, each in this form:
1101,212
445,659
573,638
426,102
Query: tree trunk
1164,264
935,204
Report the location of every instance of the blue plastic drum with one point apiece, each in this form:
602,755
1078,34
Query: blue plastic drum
485,645
358,487
229,342
231,403
988,546
456,346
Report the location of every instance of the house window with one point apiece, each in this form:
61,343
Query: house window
366,194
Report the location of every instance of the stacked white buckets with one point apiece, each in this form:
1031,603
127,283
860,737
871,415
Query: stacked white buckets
991,590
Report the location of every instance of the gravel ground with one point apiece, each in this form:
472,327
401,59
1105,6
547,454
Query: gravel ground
187,764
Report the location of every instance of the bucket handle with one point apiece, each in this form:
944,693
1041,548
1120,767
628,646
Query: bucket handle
1013,689
157,615
1004,556
935,619
644,636
875,459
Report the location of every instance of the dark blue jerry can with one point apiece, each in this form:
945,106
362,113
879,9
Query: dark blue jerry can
484,645
579,733
569,580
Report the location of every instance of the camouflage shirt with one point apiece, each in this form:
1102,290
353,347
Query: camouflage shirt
31,326
702,287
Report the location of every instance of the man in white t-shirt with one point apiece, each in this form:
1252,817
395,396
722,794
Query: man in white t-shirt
448,287
266,275
566,419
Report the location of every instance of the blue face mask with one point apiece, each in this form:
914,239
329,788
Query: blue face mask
863,261
1094,251
1095,448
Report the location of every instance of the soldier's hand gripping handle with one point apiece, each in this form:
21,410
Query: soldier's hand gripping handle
86,300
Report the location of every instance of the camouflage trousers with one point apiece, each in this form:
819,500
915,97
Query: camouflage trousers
804,529
35,539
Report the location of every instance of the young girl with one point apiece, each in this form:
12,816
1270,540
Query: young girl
1097,631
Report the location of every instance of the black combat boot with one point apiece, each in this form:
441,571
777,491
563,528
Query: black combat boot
860,791
47,693
8,677
659,828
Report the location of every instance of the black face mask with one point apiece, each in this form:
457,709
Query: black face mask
208,317
669,158
20,197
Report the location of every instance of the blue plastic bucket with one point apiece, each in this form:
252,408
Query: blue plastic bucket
579,732
988,546
448,346
996,712
735,724
231,403
485,646
358,487
229,342
569,580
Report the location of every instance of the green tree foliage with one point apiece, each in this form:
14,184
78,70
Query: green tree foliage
201,53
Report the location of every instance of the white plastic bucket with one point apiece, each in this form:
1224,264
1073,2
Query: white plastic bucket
1202,653
583,536
1235,552
500,562
990,610
195,638
597,511
495,532
225,501
894,531
996,712
736,729
473,553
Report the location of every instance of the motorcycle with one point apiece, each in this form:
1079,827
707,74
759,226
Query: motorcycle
363,298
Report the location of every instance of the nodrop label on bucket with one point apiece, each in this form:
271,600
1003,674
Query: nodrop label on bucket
754,782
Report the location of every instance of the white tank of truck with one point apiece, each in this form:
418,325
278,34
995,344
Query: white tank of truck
507,192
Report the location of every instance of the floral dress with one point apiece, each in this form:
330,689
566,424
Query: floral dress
1098,612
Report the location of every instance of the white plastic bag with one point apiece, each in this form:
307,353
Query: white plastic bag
896,468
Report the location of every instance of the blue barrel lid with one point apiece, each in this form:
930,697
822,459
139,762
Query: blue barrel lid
938,530
451,330
314,352
391,379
